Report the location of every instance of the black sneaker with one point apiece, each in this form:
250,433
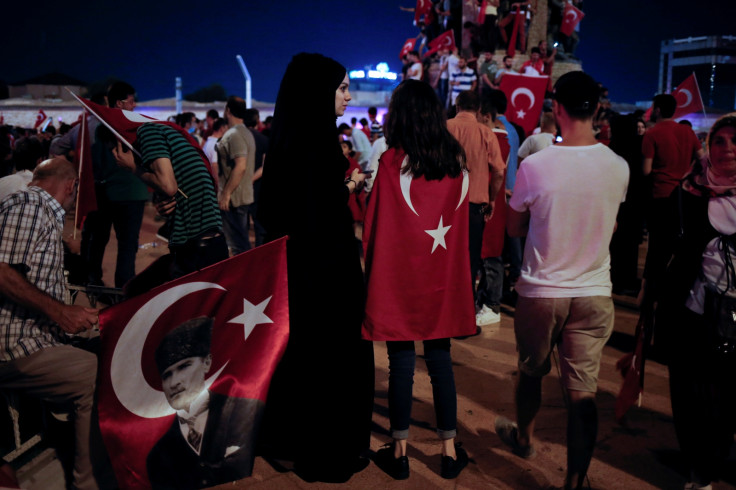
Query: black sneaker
452,467
396,468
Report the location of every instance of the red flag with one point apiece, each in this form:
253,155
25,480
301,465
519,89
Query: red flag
526,98
571,18
423,7
631,367
408,47
482,13
40,118
688,97
249,336
124,125
86,199
518,19
444,40
416,241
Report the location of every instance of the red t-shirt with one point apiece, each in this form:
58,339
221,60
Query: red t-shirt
673,147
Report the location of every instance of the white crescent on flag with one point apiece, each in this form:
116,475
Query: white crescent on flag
464,192
571,13
405,184
688,95
523,91
126,372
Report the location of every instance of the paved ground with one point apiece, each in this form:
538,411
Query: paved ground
642,455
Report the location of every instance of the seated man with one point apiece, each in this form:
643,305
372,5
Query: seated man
33,318
211,440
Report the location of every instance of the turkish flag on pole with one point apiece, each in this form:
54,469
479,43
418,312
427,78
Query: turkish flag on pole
86,198
571,18
249,336
423,8
482,12
525,96
444,40
518,19
415,236
40,118
688,97
409,46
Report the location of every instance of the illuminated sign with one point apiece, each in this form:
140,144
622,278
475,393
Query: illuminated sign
381,72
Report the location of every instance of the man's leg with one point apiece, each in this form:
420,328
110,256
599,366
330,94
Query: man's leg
475,242
582,430
528,401
64,375
235,225
127,217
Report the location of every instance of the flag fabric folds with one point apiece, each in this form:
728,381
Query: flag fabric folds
571,18
247,298
86,198
417,265
525,96
423,7
688,97
444,40
40,118
409,46
518,19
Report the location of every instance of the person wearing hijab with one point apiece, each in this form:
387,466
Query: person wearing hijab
320,404
698,301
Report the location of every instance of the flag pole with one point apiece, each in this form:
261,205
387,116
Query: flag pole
82,134
702,105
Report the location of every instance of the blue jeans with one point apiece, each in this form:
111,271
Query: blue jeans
490,288
235,224
401,362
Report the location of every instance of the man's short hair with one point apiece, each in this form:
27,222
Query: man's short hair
251,118
372,111
218,124
413,53
578,93
467,100
364,121
536,50
507,57
498,99
184,118
192,338
237,106
26,153
213,114
666,103
343,127
119,91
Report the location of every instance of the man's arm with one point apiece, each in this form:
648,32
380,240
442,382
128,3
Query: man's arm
517,224
236,175
162,178
71,318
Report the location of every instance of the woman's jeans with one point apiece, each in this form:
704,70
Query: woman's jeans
401,361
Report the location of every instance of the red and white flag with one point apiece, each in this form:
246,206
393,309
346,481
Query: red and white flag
86,198
525,96
571,18
248,337
444,40
415,236
40,118
482,12
688,97
409,46
423,7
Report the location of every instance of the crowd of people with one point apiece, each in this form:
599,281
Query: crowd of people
458,214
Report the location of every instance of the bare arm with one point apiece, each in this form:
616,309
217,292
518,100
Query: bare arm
517,224
236,175
162,178
71,318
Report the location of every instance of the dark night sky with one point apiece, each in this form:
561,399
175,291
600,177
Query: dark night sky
149,43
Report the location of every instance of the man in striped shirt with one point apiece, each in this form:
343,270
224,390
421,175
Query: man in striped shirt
34,357
463,79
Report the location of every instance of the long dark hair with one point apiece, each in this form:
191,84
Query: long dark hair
416,124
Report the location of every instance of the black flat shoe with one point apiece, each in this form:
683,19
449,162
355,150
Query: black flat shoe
396,468
452,467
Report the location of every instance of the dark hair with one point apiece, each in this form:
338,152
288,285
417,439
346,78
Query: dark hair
666,104
729,120
27,152
183,118
251,118
578,94
499,99
372,111
236,106
364,121
507,57
218,124
536,50
467,100
119,91
685,122
353,120
416,124
413,53
342,127
213,114
487,106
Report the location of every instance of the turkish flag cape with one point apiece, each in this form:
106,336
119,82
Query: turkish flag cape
409,45
571,18
86,198
247,297
526,99
688,97
415,238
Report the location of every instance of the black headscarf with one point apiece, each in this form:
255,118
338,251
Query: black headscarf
304,168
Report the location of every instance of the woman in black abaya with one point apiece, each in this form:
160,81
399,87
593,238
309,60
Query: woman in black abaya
320,404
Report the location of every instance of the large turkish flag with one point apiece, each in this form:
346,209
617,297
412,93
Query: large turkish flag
688,97
525,96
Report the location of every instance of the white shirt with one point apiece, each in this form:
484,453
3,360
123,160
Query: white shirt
209,149
535,143
199,409
379,147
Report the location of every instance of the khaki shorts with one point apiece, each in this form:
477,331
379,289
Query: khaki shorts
580,327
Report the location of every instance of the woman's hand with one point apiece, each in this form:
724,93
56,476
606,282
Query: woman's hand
124,157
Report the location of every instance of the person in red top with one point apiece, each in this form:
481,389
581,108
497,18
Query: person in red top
534,66
669,149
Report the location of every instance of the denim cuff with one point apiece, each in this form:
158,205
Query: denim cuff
446,434
400,435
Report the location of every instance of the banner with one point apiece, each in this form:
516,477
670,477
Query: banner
688,97
86,197
571,18
185,370
525,96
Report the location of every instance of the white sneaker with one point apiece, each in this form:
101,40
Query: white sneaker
487,316
696,486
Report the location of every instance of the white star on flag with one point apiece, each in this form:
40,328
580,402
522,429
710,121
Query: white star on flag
252,315
520,114
438,235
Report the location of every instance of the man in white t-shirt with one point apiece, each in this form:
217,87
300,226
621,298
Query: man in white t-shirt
541,140
565,201
416,70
